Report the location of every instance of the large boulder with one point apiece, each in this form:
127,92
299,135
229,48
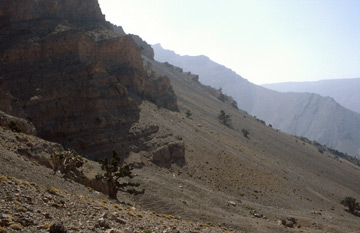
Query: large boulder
169,152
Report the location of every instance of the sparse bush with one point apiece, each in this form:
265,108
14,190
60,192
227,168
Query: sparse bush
53,191
224,118
304,139
3,230
245,132
351,204
188,114
68,163
113,174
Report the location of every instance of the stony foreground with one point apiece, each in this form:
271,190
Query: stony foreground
29,207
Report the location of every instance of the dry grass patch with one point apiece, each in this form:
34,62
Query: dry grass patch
53,191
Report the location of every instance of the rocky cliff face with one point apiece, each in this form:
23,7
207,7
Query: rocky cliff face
69,73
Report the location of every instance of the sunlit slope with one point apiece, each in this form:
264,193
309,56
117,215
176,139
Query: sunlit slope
303,114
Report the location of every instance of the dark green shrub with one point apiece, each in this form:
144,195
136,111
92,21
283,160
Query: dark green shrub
188,114
351,204
224,118
245,132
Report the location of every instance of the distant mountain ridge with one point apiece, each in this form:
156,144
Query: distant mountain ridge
303,114
344,91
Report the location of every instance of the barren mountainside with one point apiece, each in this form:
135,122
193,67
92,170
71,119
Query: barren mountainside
303,114
70,82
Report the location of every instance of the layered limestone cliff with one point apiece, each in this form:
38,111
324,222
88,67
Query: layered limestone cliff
66,70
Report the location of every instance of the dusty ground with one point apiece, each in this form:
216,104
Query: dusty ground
32,199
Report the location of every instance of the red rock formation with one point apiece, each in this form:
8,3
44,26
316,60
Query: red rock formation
73,76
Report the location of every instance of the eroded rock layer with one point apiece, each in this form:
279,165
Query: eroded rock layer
75,79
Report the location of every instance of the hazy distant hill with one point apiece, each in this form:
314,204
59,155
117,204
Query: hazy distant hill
303,114
344,91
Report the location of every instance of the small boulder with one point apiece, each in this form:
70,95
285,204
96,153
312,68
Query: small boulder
232,203
103,223
114,216
57,228
280,222
290,222
16,226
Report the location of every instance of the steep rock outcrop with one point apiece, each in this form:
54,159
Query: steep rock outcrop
119,30
160,90
16,124
77,80
146,49
168,152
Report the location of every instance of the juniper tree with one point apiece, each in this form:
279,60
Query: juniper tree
113,175
350,203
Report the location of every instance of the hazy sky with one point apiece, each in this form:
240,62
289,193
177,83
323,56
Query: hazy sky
264,41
